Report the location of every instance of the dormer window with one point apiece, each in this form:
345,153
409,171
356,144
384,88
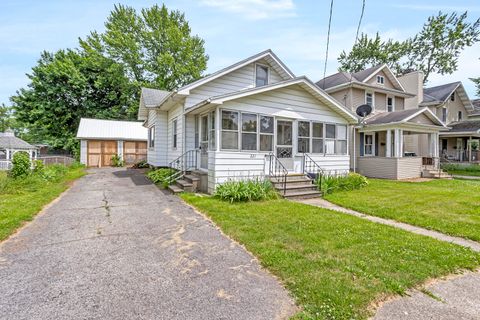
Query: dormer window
261,75
380,80
452,97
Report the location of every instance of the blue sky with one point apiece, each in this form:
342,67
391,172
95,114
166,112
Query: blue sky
232,29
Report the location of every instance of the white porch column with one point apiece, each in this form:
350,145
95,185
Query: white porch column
398,143
389,143
8,154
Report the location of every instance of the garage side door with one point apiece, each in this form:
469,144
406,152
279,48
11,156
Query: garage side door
134,151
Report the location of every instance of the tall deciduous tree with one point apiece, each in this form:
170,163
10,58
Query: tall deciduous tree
435,49
7,121
155,46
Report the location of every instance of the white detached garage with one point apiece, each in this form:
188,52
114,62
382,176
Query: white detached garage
102,139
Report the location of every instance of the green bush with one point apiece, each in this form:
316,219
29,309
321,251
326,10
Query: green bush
38,167
20,164
246,190
457,167
330,183
117,161
160,176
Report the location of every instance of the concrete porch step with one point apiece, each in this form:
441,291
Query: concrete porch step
185,185
175,189
303,194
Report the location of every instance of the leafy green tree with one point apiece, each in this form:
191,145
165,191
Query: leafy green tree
155,46
66,86
369,52
6,118
435,49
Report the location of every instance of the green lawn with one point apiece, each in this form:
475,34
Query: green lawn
23,198
448,206
335,265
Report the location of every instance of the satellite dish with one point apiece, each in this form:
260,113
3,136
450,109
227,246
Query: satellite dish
364,110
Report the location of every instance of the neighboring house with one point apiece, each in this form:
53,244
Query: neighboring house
248,120
475,114
452,105
385,143
102,139
9,144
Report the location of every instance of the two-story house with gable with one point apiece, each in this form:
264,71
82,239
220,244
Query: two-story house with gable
251,119
385,143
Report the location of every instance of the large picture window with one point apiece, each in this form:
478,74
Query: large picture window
266,133
303,137
229,130
249,131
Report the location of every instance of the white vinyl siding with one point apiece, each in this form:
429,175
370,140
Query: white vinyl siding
176,113
83,152
157,156
241,79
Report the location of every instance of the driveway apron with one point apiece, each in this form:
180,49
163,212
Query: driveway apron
114,246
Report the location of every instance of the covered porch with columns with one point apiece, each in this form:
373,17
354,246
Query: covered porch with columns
400,150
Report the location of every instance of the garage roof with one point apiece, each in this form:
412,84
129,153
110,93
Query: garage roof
111,130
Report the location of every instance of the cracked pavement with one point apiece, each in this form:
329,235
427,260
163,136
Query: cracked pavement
114,246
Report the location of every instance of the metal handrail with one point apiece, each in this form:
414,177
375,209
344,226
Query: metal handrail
278,171
185,162
312,169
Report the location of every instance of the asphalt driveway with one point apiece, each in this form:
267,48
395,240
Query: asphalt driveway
116,247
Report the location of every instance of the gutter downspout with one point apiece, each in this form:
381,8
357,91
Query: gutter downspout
354,150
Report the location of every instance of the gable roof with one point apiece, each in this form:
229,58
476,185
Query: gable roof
402,116
9,141
268,55
306,83
153,97
343,79
472,126
440,94
111,130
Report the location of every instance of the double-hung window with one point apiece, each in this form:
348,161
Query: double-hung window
460,115
261,75
329,138
341,139
229,130
369,98
380,80
444,115
390,106
151,137
368,145
266,125
211,130
249,131
303,137
317,137
174,130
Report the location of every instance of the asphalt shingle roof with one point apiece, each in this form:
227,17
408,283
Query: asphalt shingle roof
476,107
344,77
153,97
389,117
12,142
439,93
465,126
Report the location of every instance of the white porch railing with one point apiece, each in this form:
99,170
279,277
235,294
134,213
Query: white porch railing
5,164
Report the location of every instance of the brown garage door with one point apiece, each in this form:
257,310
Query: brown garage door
134,151
100,152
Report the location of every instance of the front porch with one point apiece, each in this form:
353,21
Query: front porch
460,149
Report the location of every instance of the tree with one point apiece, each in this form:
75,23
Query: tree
370,52
66,86
435,49
155,46
7,121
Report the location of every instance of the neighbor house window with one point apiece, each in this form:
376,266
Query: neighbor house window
460,115
151,137
266,133
211,140
174,130
380,80
390,106
249,131
261,75
303,136
369,98
229,130
368,145
444,115
452,97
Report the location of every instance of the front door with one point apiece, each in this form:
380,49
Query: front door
284,147
204,142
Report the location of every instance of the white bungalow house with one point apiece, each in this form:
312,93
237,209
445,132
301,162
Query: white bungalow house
254,118
9,144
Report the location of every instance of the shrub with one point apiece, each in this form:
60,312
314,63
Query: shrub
160,176
246,190
117,161
329,184
38,167
457,167
20,164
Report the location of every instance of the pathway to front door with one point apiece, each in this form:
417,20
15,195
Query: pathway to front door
116,247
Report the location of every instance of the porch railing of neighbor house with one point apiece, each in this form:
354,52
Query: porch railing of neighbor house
186,162
312,169
277,171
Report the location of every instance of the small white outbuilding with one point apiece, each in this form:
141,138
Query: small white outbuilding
102,139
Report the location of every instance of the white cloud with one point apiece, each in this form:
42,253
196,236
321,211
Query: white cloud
437,7
255,9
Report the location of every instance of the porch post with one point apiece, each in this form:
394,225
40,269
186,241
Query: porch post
470,149
389,143
398,143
